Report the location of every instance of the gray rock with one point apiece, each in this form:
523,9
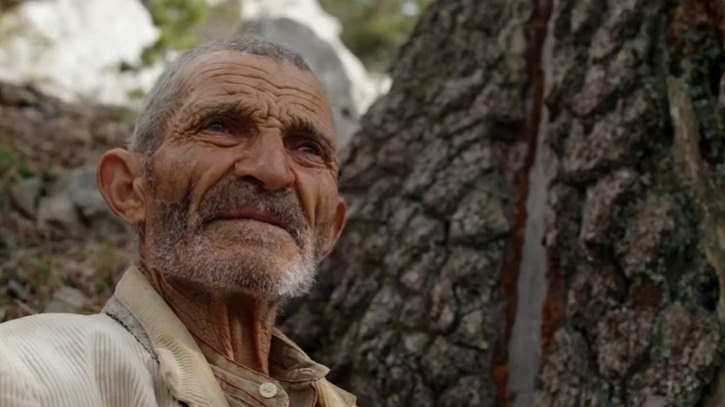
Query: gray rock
66,300
79,185
16,289
324,62
75,203
58,211
25,195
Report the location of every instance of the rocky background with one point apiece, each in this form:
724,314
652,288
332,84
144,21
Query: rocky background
61,249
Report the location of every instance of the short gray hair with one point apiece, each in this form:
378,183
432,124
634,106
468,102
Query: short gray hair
147,135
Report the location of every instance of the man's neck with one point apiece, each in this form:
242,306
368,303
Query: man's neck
238,326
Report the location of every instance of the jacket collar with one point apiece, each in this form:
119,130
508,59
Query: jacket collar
183,367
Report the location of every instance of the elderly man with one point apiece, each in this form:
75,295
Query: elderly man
230,180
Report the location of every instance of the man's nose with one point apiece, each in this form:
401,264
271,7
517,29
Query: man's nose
267,162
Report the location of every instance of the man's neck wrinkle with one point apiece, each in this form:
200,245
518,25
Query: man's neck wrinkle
236,325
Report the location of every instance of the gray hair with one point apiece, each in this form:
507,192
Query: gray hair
147,135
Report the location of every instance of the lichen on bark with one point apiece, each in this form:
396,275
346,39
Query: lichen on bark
625,228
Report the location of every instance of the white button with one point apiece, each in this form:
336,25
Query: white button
268,390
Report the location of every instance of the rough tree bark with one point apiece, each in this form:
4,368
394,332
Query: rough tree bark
466,170
415,305
630,317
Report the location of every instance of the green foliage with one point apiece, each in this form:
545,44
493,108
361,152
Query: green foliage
12,168
222,20
175,20
15,28
25,171
48,176
374,29
136,93
6,160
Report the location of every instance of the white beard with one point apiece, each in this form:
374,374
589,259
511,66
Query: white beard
250,270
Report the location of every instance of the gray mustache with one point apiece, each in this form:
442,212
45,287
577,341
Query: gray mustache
239,195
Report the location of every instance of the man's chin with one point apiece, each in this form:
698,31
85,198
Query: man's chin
258,271
258,255
247,232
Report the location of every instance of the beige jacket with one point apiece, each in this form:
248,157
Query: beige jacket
136,353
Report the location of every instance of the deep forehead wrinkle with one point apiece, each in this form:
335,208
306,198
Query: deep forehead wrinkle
262,74
245,85
247,102
310,92
288,94
276,90
246,108
200,66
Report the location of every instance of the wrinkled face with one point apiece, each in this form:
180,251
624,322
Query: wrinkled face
244,186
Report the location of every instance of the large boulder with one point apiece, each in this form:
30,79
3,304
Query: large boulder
73,48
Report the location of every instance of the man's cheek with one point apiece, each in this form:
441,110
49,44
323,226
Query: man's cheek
325,219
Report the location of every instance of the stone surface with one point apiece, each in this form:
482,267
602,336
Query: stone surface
66,299
25,195
73,48
75,205
79,185
58,211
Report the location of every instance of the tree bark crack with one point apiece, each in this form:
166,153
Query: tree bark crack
531,285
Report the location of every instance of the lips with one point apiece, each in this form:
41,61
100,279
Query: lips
256,216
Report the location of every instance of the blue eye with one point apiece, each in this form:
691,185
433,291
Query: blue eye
308,149
217,127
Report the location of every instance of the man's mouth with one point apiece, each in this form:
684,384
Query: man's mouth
257,216
262,217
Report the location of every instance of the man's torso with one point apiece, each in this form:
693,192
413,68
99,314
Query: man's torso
137,353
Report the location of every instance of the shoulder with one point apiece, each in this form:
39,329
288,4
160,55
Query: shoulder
83,360
52,331
65,347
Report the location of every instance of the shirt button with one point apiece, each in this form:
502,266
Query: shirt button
268,390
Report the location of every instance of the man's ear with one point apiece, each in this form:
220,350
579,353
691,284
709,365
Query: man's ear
336,230
117,176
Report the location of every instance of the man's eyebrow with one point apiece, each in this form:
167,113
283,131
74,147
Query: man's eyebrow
300,123
304,125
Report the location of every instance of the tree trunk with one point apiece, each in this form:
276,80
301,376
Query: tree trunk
628,265
534,213
416,304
